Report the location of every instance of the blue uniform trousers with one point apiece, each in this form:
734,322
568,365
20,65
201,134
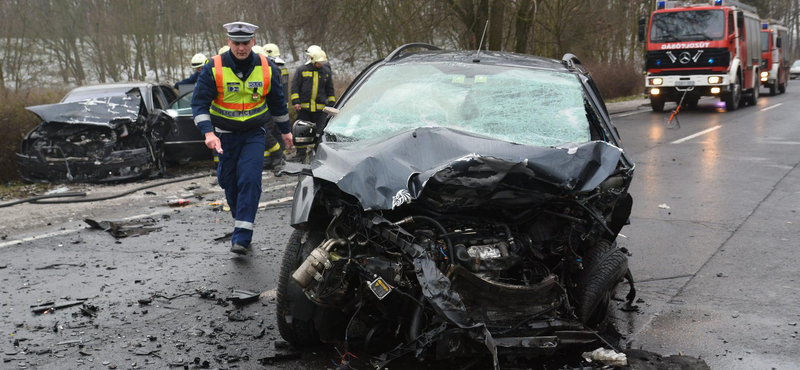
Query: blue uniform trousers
239,174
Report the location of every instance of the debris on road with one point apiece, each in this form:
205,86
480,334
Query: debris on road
178,202
124,229
606,356
45,307
60,190
57,265
663,206
242,297
270,360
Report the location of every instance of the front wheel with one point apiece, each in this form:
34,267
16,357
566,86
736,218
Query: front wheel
657,102
731,98
604,266
294,310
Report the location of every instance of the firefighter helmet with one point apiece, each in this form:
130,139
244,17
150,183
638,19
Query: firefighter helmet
318,56
198,60
223,50
258,49
272,50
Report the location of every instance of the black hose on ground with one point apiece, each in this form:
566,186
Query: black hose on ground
32,199
38,199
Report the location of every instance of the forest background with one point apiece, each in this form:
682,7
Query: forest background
49,46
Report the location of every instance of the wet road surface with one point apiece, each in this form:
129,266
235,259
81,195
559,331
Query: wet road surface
716,270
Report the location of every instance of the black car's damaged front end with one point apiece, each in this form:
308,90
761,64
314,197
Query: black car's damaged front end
443,242
95,140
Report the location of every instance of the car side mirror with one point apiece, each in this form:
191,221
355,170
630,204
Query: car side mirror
642,24
304,132
778,43
740,20
331,111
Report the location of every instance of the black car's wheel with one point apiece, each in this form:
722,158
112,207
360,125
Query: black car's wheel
604,266
731,99
657,102
290,297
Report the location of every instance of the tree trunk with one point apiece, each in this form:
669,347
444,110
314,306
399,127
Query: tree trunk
498,11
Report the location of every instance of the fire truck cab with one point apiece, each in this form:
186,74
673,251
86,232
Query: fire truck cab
775,65
711,49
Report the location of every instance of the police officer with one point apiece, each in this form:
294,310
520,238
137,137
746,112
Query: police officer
198,60
312,87
236,95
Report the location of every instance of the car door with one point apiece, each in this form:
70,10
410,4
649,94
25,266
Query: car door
189,144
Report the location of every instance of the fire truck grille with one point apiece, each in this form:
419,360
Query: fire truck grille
688,58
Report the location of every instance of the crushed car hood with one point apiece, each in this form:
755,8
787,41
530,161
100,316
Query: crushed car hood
108,111
384,174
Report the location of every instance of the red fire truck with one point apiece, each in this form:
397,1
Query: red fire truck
775,65
702,50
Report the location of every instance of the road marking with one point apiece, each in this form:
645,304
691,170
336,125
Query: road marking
42,236
628,114
774,106
690,137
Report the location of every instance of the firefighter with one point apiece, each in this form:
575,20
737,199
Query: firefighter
236,95
312,89
198,60
273,54
223,50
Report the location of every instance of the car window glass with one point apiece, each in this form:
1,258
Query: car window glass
184,104
169,95
526,106
158,99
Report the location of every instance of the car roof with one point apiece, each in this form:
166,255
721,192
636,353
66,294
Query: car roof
486,57
111,86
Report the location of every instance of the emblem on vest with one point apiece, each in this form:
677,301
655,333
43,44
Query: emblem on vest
233,86
255,84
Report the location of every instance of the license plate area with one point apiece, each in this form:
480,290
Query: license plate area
684,83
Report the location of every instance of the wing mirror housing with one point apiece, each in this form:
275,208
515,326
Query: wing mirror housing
778,43
304,132
331,111
642,24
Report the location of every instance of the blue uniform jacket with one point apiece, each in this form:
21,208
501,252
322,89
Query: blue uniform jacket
189,80
205,91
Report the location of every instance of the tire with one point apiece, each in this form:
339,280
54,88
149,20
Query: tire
657,103
289,295
752,98
732,98
604,266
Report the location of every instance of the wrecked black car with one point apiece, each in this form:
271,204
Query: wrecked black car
458,205
99,133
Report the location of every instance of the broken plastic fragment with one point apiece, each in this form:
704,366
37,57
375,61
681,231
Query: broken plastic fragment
663,206
607,357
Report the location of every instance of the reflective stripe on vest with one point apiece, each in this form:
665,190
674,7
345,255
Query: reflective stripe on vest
314,88
235,97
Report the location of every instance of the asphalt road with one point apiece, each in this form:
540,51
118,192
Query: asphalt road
716,270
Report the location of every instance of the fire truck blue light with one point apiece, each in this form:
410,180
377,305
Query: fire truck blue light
663,4
658,62
710,60
717,2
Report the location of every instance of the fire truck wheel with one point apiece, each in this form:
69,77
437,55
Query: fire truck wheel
732,98
657,103
752,99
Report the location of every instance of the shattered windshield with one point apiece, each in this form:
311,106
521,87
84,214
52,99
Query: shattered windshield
525,106
695,25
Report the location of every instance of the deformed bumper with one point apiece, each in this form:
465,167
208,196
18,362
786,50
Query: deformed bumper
119,165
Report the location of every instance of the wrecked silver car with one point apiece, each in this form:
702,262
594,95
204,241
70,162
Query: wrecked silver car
459,205
97,134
